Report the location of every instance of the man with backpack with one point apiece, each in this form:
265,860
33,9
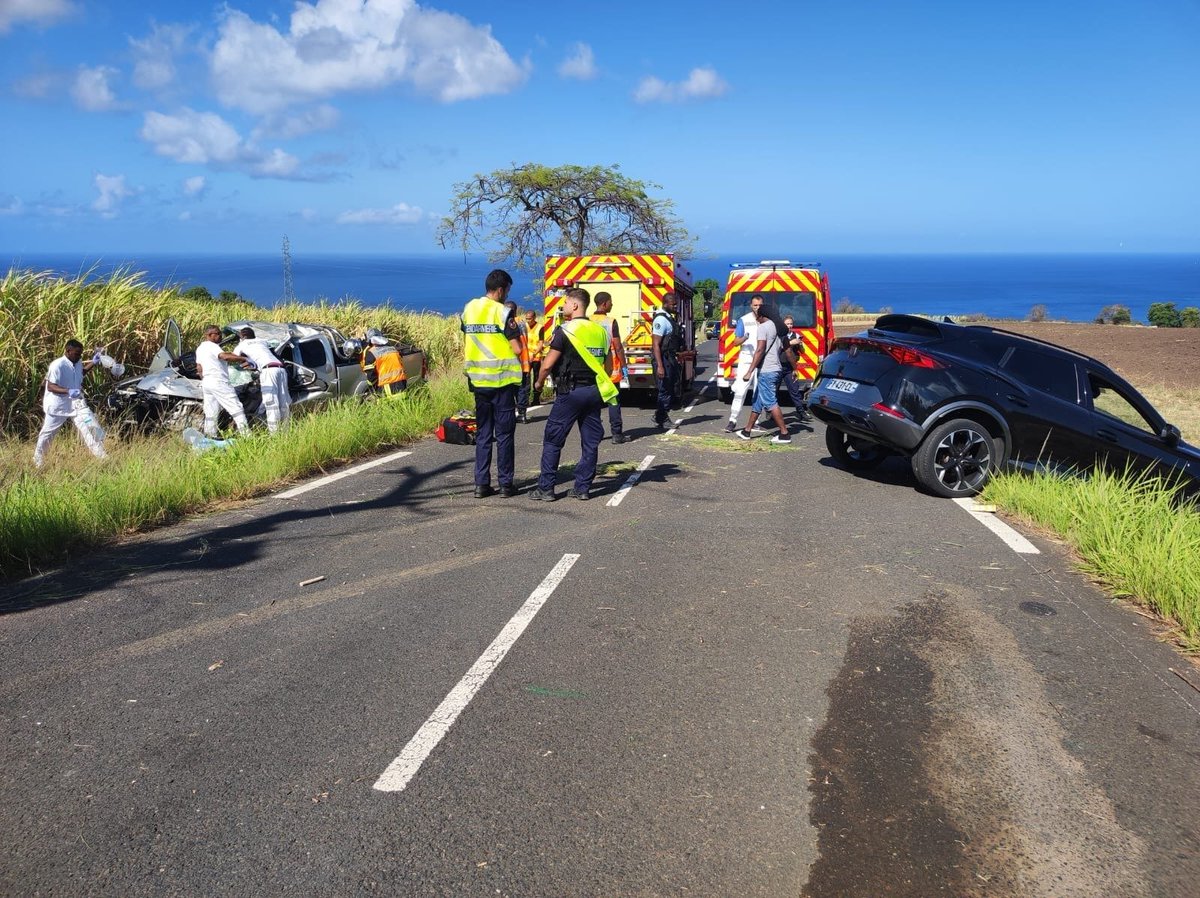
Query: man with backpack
667,339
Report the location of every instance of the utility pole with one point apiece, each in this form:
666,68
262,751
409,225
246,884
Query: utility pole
289,292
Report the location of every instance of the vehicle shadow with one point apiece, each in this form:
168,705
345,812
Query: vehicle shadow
893,471
240,543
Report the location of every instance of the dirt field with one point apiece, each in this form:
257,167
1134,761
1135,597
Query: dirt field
1145,356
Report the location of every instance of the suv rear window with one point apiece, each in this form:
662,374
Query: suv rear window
1044,372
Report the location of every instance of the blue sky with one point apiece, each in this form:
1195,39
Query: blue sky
204,127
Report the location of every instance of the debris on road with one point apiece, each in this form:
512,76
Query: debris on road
310,581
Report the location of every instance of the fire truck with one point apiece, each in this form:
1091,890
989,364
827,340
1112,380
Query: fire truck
797,289
637,284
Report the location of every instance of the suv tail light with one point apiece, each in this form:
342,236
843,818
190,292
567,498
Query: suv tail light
904,355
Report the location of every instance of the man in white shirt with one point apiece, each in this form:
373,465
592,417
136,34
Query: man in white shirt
272,377
745,336
64,388
213,364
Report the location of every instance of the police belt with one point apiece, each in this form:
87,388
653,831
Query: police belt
566,385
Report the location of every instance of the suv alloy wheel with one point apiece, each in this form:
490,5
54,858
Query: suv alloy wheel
956,459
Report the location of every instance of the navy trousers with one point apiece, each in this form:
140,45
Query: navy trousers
495,419
615,422
581,406
666,392
796,391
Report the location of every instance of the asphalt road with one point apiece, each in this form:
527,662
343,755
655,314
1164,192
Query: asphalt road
756,675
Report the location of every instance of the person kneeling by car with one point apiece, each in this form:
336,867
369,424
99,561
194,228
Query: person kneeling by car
383,365
272,378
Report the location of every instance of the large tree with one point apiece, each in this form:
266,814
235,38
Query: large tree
521,214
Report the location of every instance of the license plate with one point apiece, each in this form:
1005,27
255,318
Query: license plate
841,386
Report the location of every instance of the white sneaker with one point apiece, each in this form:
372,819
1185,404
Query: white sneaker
782,438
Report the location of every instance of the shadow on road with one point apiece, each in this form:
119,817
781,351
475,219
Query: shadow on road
240,542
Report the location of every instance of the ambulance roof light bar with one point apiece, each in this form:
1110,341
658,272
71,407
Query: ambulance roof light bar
775,263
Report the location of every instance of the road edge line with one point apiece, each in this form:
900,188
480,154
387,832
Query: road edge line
330,478
1011,537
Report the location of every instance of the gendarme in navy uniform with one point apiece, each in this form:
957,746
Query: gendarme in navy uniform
577,358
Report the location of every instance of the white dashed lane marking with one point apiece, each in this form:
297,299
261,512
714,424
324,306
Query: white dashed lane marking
631,482
401,771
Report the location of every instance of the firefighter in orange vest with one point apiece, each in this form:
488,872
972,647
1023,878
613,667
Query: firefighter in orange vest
383,365
537,351
617,369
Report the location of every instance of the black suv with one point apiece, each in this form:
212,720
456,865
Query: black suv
964,401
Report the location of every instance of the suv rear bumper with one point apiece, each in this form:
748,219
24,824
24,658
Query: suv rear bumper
855,415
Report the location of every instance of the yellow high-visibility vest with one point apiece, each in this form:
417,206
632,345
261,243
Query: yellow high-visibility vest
591,341
490,360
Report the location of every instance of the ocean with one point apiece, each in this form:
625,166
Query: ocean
1072,287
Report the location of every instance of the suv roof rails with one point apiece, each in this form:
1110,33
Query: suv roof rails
1046,343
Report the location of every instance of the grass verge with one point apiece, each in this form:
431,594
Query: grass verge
1127,532
77,503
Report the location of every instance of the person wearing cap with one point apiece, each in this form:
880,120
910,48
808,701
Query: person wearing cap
272,378
578,358
618,370
213,364
383,365
491,349
63,390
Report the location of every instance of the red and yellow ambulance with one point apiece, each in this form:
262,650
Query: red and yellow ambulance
637,283
797,289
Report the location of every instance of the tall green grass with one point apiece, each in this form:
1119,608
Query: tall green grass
39,312
1129,532
46,515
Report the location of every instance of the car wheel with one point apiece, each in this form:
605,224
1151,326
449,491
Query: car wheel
956,459
853,453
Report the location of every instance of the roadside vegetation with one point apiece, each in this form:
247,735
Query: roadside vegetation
1128,532
40,312
77,503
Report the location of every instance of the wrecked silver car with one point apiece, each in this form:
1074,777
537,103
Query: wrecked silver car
169,395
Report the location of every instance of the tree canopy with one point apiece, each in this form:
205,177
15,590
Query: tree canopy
526,212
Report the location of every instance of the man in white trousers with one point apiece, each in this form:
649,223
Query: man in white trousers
64,387
213,364
272,378
745,336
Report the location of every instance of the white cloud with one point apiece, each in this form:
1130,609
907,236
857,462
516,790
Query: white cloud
204,138
112,191
185,216
91,90
308,215
580,64
399,214
14,12
333,46
194,186
155,55
286,126
701,84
